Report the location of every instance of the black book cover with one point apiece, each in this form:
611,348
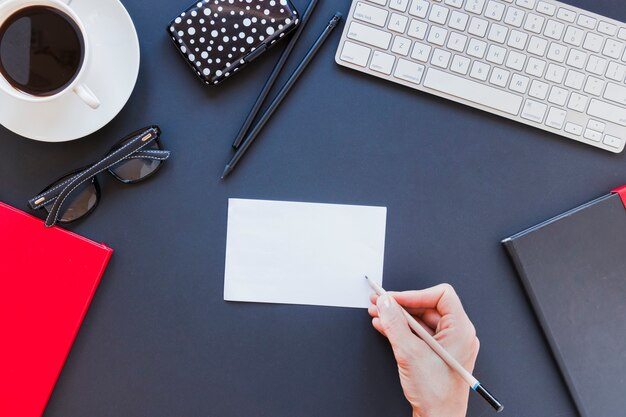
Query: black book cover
573,268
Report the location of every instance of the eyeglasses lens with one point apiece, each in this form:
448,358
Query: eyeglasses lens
78,203
133,170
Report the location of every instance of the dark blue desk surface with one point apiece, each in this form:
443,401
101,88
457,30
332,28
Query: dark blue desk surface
160,341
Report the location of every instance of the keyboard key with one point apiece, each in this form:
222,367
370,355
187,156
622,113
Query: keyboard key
577,102
480,71
417,29
557,52
534,111
558,96
556,118
369,35
613,49
476,48
593,135
613,142
419,8
596,125
528,4
566,14
587,21
519,83
534,23
574,36
478,27
496,54
621,34
576,58
401,45
457,42
539,89
421,52
475,6
536,67
458,20
574,79
399,5
616,72
438,14
516,61
607,28
555,73
594,86
514,17
473,91
437,35
441,58
616,93
593,42
574,129
494,10
409,71
537,46
517,40
382,62
546,8
370,14
596,65
398,22
460,64
499,77
455,3
355,54
497,33
554,30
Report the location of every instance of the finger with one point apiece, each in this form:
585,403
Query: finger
442,298
396,328
373,298
431,318
378,326
419,311
428,318
430,330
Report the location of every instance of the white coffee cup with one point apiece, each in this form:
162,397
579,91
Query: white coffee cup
7,9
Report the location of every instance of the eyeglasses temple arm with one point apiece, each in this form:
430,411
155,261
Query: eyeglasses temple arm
59,193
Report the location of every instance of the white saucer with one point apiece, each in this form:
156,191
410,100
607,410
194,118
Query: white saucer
114,66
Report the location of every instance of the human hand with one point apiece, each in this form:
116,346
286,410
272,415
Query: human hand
430,386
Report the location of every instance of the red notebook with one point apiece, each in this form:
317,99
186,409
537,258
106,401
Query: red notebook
48,277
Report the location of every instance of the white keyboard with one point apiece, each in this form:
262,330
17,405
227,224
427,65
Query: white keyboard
541,63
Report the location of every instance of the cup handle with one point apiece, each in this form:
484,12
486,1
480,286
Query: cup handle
87,96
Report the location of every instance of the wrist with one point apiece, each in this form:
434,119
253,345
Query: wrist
420,412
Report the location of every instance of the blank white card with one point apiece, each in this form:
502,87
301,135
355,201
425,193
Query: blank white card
303,253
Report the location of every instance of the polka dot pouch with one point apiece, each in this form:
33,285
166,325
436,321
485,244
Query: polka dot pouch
219,37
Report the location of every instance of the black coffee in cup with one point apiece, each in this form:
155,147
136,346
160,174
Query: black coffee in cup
41,50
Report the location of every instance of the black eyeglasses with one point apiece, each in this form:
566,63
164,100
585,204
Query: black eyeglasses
75,195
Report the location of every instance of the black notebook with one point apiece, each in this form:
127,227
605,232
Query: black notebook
574,270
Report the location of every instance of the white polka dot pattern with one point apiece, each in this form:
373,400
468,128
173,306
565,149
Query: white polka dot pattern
216,37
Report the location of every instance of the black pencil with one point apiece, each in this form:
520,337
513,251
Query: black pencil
282,94
274,75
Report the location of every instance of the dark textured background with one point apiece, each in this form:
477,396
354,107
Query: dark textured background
160,341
